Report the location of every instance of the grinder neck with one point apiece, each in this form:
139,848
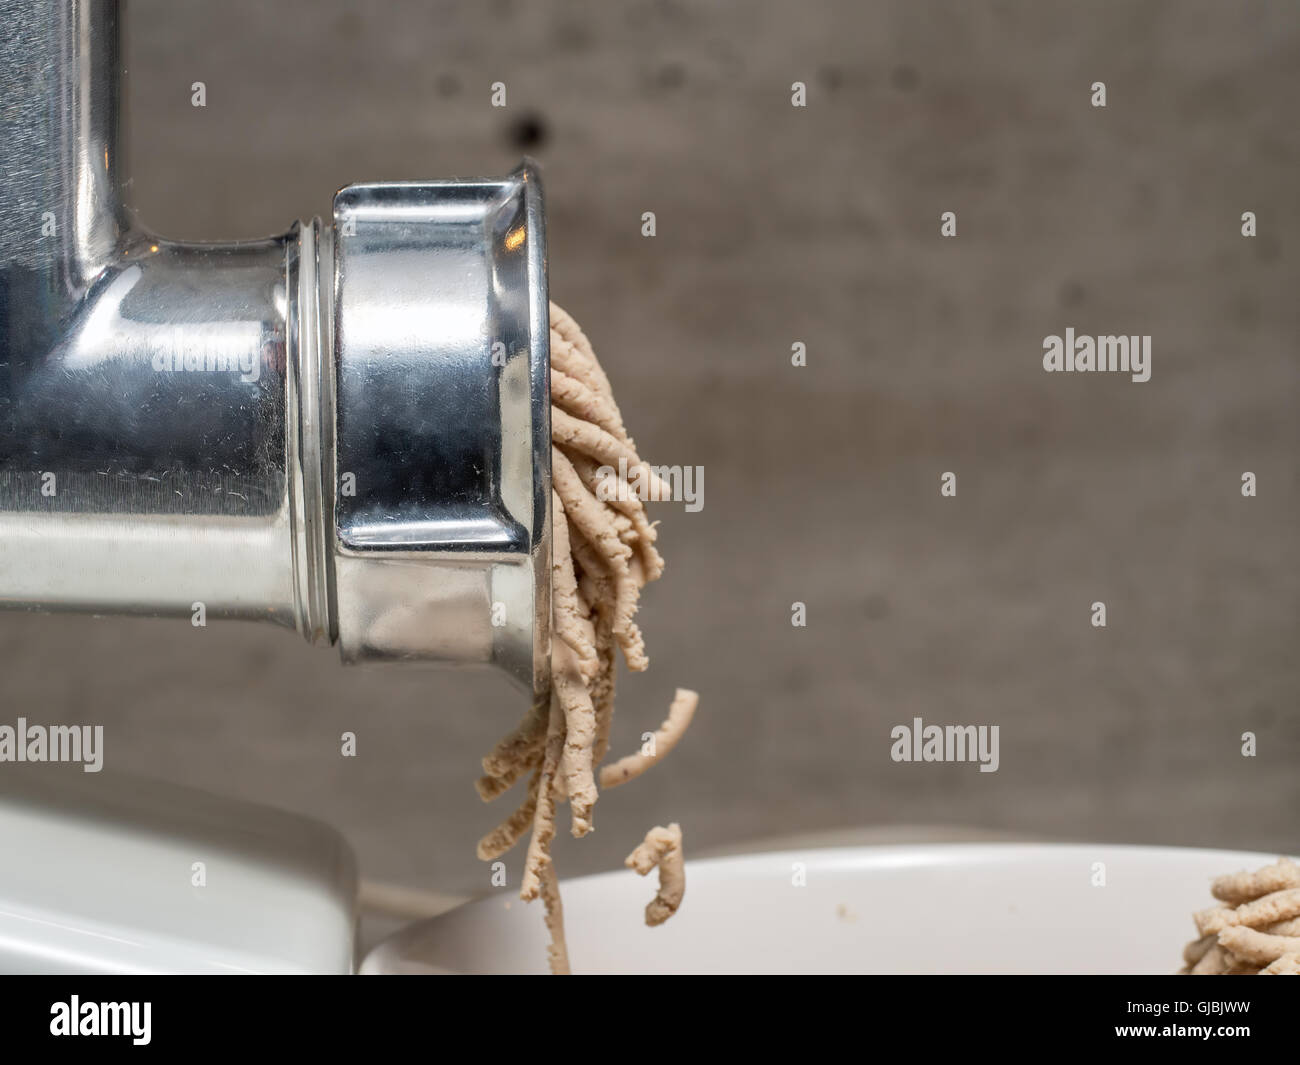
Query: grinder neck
344,428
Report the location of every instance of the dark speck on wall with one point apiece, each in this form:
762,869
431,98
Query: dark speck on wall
528,132
905,78
671,76
1072,294
831,77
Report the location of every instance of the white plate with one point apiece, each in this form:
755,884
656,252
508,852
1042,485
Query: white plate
951,908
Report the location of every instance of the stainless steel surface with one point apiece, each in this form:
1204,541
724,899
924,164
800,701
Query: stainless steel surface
59,205
168,413
442,454
144,449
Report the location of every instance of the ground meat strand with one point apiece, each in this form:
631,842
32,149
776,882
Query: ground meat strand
604,553
662,847
1255,930
660,744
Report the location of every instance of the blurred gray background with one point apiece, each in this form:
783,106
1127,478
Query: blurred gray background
819,225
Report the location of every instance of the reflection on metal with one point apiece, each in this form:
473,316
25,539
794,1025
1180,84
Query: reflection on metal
344,428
